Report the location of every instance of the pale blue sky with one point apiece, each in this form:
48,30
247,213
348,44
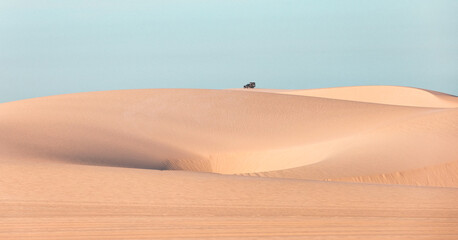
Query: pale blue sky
57,47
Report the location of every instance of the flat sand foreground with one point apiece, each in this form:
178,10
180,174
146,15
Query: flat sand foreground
94,202
375,162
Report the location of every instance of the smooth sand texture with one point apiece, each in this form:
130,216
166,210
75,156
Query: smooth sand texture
393,95
88,165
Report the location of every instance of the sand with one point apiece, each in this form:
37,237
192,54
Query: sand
373,162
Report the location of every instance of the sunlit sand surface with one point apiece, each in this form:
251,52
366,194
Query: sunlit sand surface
370,162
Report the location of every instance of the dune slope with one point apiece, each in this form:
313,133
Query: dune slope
422,144
393,95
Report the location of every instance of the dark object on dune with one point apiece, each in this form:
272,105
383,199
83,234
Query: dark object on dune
250,85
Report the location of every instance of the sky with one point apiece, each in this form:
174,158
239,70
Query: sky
59,47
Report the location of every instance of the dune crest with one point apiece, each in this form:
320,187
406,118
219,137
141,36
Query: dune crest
392,95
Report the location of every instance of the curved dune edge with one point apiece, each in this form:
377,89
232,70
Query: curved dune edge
232,132
443,175
392,95
424,145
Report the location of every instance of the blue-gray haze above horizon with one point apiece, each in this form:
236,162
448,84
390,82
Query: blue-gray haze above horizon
57,47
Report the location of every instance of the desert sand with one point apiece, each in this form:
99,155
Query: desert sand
369,162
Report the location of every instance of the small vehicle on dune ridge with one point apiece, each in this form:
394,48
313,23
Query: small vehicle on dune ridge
250,85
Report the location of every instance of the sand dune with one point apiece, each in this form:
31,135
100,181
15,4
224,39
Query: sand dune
393,95
96,156
232,132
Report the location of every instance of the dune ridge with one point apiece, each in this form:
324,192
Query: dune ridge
391,95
